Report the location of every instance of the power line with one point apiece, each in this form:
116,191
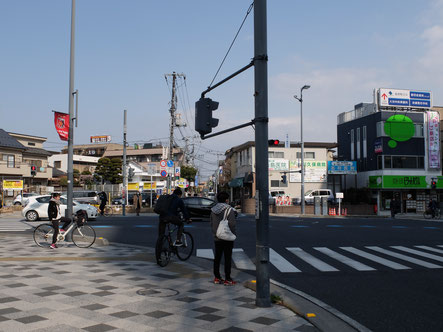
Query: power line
223,61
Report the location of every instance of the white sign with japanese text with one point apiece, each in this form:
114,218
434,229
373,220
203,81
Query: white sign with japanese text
434,139
315,171
278,164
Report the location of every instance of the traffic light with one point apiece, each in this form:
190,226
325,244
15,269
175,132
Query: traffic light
33,170
283,178
130,174
204,122
273,142
433,184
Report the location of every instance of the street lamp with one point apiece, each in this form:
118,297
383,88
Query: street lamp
302,169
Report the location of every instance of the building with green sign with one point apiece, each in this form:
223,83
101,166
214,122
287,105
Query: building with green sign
396,143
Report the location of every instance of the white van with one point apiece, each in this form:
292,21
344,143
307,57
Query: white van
311,194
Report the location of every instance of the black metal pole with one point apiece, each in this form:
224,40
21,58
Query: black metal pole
263,298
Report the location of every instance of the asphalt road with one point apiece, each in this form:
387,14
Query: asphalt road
399,295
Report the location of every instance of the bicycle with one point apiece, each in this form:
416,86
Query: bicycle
165,248
83,235
108,211
428,214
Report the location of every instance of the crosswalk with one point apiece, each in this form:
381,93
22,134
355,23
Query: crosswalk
330,260
13,225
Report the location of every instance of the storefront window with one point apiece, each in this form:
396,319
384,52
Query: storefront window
388,162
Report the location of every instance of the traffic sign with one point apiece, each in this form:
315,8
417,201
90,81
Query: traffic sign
170,163
404,98
163,173
177,171
163,163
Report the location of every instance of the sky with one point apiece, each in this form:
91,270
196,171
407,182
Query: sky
124,48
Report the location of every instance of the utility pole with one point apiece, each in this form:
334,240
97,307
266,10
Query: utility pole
125,175
69,209
172,124
263,296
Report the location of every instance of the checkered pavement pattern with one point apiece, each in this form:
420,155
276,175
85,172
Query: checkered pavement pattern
120,288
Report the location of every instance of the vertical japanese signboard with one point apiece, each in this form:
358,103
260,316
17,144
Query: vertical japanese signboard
434,139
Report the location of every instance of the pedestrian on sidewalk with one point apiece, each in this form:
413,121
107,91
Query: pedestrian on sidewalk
55,217
103,200
138,202
222,247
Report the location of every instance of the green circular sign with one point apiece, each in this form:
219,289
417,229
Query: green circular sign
400,128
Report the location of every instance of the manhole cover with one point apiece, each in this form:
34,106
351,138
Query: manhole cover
158,292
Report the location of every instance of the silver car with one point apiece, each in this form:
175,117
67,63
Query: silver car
36,207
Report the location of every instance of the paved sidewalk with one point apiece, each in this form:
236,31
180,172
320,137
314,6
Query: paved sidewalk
120,288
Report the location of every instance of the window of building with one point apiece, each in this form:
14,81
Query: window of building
275,154
57,164
365,143
358,143
31,144
275,183
352,144
308,155
9,159
379,162
388,162
418,130
404,162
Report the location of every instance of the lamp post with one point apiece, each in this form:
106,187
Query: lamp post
302,168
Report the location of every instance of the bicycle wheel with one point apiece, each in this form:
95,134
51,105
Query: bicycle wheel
427,215
43,235
186,250
437,214
83,236
162,251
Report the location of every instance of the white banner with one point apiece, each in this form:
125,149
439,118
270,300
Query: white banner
434,139
278,164
315,171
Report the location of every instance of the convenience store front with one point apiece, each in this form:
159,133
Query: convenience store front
414,192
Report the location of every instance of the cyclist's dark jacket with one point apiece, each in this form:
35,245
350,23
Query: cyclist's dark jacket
176,206
52,210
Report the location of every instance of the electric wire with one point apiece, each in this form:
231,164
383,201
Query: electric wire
236,35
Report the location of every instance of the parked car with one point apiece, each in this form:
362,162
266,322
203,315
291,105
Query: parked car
86,196
146,199
19,201
311,194
37,208
200,207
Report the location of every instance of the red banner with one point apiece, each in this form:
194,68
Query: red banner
61,121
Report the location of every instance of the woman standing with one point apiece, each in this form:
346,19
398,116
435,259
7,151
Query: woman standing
138,200
222,247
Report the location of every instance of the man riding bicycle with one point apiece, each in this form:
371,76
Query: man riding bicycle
432,206
176,206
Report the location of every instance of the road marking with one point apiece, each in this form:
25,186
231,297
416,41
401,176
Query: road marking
335,226
300,226
367,226
400,227
345,260
281,263
430,249
144,226
431,228
205,253
376,259
102,226
405,258
419,253
315,262
241,260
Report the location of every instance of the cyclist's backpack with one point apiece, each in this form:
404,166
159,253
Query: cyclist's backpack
163,203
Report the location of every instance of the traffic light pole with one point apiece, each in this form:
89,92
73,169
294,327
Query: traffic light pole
263,298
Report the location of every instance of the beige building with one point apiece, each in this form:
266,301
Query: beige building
19,152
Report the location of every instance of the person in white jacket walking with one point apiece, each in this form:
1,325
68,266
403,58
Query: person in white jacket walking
222,247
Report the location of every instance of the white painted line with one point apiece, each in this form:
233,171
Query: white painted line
345,260
441,246
430,249
405,258
241,260
281,263
419,253
376,259
205,253
315,262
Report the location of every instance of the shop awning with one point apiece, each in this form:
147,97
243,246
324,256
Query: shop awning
237,182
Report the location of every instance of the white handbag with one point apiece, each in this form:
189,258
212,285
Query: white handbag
223,230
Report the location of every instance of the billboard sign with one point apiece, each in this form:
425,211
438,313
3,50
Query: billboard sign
13,184
278,164
404,98
315,171
402,182
342,167
100,139
434,139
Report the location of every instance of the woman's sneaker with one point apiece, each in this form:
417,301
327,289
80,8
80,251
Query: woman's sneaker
53,246
218,281
229,283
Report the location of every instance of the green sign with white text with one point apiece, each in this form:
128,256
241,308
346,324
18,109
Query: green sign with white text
403,182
